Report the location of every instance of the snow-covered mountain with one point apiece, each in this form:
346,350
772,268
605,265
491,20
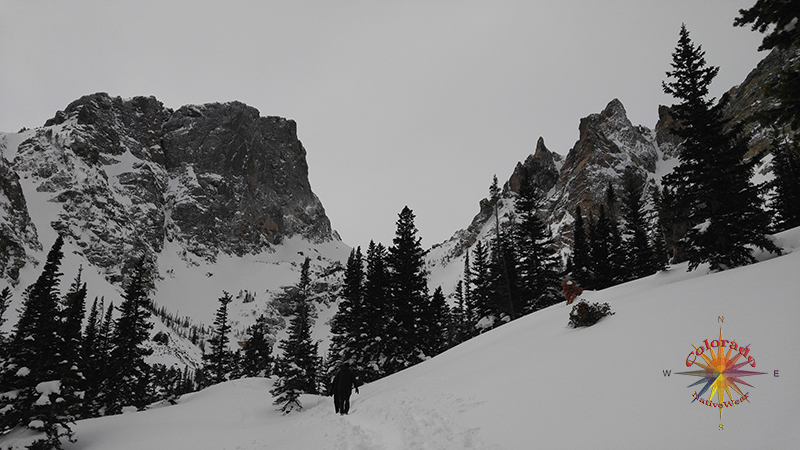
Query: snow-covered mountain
535,382
217,198
214,197
608,143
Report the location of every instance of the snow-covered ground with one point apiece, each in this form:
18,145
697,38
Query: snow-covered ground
535,383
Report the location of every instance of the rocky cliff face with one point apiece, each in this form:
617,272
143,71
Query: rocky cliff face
747,100
607,144
16,227
129,175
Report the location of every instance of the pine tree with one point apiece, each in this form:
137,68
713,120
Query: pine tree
73,381
377,323
33,370
297,368
712,180
538,264
616,252
219,361
457,331
409,295
483,296
580,258
636,245
437,324
600,250
94,360
468,329
129,379
346,341
5,300
503,270
257,358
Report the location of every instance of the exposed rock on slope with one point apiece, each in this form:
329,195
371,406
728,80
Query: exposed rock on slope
131,174
608,143
16,228
242,180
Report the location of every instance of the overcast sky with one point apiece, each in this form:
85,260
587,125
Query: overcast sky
397,102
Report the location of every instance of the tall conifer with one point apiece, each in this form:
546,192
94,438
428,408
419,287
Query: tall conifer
377,324
218,363
538,266
257,358
712,179
580,258
33,370
409,294
298,367
640,259
128,384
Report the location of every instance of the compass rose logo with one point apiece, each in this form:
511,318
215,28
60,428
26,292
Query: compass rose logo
721,372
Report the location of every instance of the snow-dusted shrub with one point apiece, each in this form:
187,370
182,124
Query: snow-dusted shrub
585,315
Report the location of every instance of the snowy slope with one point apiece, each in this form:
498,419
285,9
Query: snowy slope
535,383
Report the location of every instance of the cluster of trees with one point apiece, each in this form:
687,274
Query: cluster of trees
516,273
712,210
60,365
220,363
53,372
709,210
618,245
388,320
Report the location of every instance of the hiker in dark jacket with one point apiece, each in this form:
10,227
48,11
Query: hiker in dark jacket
343,383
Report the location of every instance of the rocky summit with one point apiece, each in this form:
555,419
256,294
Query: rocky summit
131,175
608,143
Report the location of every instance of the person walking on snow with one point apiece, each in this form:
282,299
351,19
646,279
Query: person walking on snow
343,384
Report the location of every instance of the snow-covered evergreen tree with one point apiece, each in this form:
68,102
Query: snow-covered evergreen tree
218,363
539,275
298,367
33,371
5,300
409,295
600,251
580,259
257,357
639,262
129,381
347,343
712,180
72,313
486,314
437,324
377,324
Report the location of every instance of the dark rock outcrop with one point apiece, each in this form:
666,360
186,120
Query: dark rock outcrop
540,167
130,174
17,232
247,176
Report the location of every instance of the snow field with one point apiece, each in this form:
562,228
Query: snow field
536,383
